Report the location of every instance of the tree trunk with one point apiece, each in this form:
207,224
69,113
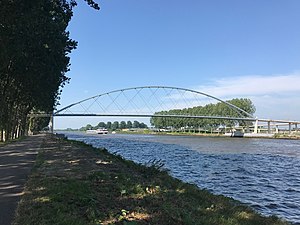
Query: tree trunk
2,135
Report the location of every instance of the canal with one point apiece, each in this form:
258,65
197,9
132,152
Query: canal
263,173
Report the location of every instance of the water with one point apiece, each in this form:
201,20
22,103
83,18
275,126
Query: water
263,173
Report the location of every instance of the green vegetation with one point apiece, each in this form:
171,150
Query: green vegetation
115,125
219,109
74,183
293,135
34,48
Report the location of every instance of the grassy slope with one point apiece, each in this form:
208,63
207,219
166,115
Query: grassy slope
73,183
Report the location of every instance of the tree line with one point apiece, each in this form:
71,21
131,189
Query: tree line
34,48
218,109
115,125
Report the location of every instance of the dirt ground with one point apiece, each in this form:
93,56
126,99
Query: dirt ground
16,161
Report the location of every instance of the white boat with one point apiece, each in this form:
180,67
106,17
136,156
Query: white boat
102,131
98,131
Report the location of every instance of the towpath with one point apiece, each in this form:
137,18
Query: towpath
16,162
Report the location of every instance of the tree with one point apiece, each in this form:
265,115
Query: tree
34,48
142,125
115,125
218,109
32,37
108,125
88,127
38,123
122,125
129,124
136,124
101,125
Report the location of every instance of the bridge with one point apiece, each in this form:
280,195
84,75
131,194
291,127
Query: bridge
163,102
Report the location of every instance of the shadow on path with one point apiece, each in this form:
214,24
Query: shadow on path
16,162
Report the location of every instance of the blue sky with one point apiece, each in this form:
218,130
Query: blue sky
229,49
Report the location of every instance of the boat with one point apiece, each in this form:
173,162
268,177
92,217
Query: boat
102,131
235,133
98,131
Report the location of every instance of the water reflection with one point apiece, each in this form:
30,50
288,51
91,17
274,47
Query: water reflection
263,173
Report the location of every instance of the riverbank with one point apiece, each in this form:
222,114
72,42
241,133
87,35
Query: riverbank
293,136
74,183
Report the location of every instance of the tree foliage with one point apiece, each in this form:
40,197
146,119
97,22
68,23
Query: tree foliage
218,109
115,125
34,48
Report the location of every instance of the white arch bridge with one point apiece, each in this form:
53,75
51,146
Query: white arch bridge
161,101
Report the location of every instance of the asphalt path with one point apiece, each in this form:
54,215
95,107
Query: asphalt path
16,162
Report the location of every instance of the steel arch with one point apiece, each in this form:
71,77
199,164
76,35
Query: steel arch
237,109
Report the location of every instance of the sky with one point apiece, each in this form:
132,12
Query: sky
228,49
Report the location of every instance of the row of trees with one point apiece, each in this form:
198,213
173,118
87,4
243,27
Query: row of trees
34,48
218,109
115,125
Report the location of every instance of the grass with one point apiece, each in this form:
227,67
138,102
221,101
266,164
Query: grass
293,135
74,183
